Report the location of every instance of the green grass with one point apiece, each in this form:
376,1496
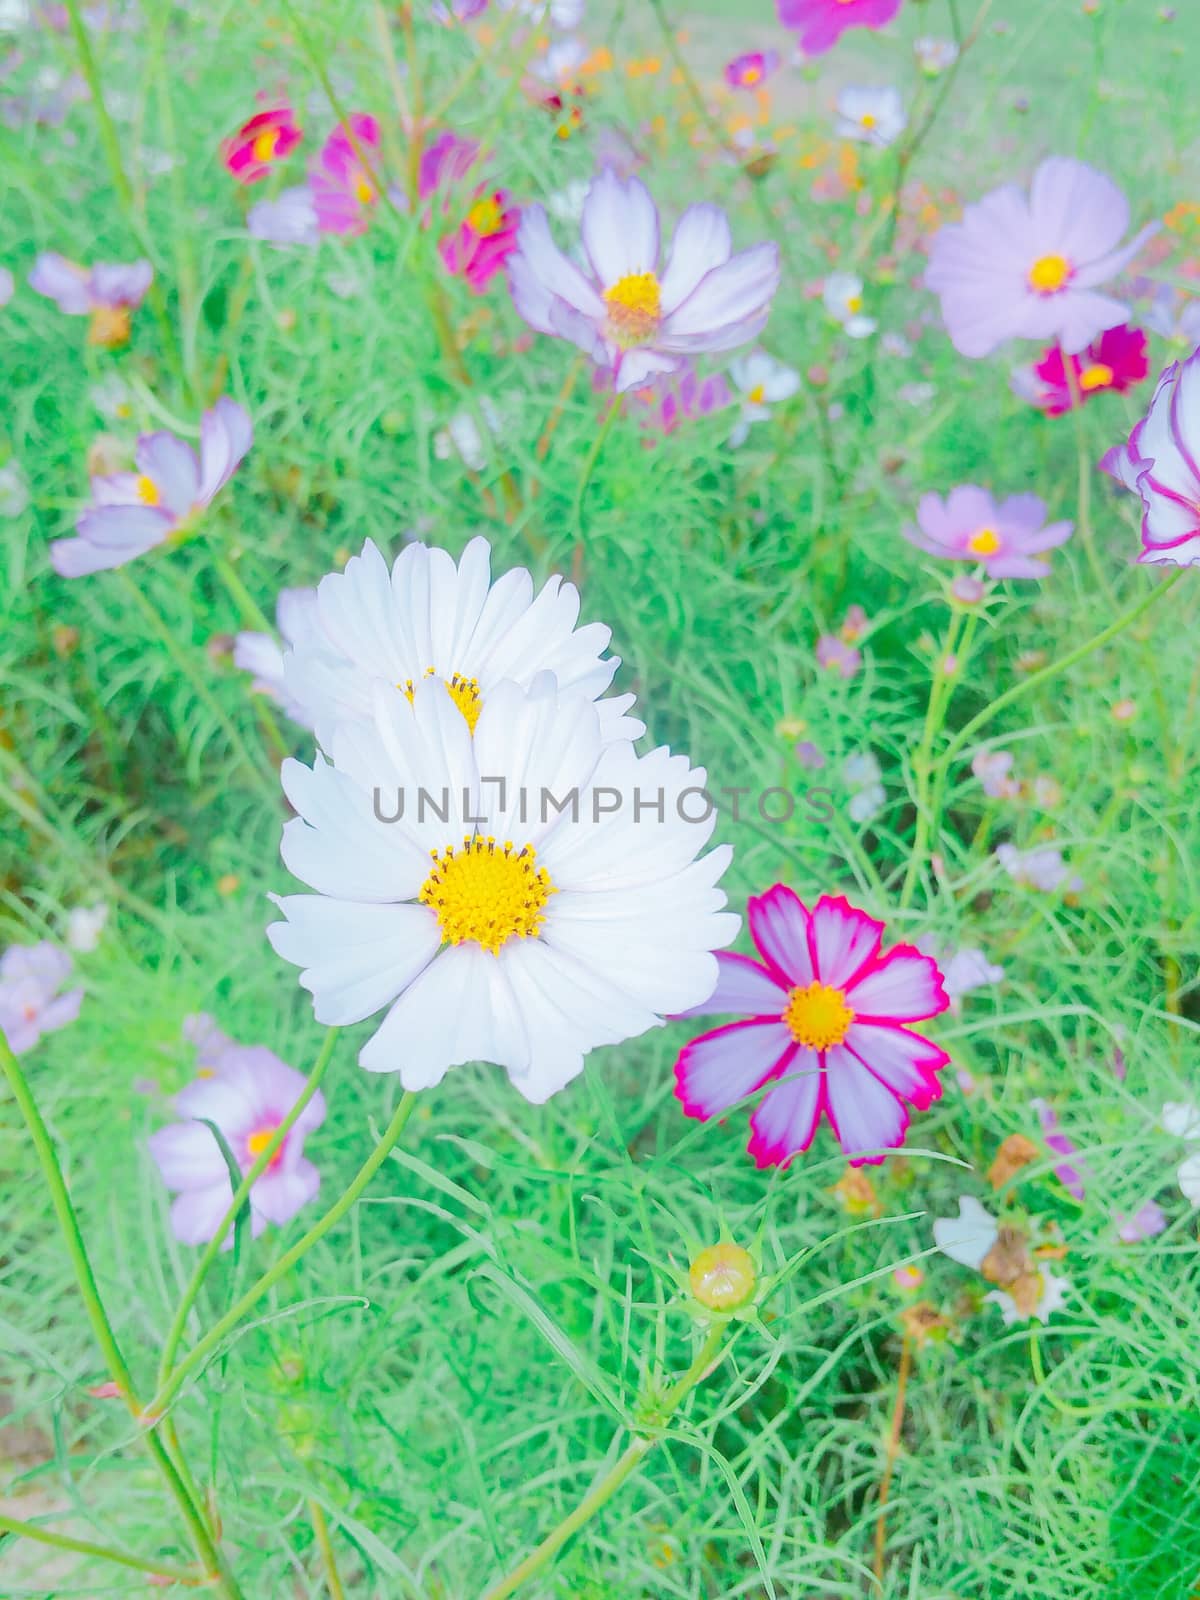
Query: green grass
448,1372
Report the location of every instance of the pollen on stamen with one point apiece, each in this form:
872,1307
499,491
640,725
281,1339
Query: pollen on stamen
485,895
634,308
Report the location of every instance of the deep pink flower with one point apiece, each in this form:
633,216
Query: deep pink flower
1161,463
483,241
1005,536
247,1092
821,23
1116,360
826,1011
258,144
1029,267
343,191
444,162
750,70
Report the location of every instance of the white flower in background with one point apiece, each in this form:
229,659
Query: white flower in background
427,617
461,436
261,654
14,490
561,61
85,925
1042,868
567,203
14,14
763,382
843,296
872,116
862,775
498,927
935,55
971,1237
1181,1119
561,14
112,398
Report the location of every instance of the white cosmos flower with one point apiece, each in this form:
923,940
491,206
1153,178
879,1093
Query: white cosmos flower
511,931
628,312
969,1239
843,296
763,382
261,655
872,116
425,617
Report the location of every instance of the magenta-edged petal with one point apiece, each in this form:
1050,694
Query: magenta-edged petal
843,940
635,368
867,1117
902,986
720,1068
905,1062
779,927
619,227
744,989
785,1122
702,241
739,288
172,468
539,272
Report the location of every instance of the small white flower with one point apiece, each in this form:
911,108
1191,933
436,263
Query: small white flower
261,655
14,490
1053,1297
567,203
935,55
1182,1119
763,382
967,970
14,14
843,298
895,344
871,116
462,437
85,925
112,398
1189,1178
969,1237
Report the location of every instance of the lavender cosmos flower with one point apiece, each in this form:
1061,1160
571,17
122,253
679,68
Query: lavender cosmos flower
1028,267
259,653
246,1091
109,293
30,1004
1005,535
1161,463
625,313
751,69
1042,868
290,218
133,512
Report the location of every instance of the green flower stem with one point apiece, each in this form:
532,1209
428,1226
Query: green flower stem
941,691
1084,470
241,1194
1063,664
325,1546
200,1352
713,1349
252,614
589,466
214,1563
99,1552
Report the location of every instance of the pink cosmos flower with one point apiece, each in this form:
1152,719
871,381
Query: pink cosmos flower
837,650
626,312
1116,360
821,23
752,69
1028,267
131,512
247,1092
258,144
1070,1177
343,191
487,235
108,292
993,768
30,1004
1004,535
1161,463
826,1014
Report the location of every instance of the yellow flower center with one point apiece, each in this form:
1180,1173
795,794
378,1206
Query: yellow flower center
110,327
463,691
147,491
1097,376
364,189
751,75
486,217
486,893
984,543
258,1141
869,120
854,304
756,394
818,1016
1049,273
265,143
634,308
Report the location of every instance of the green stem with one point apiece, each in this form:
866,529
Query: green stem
200,1352
941,692
211,1558
1036,679
1084,469
325,1545
589,466
241,1194
713,1348
99,1552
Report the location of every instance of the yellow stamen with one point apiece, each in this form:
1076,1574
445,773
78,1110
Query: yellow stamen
869,120
818,1016
110,327
147,491
463,691
258,1141
756,394
751,74
265,143
486,894
364,189
1049,273
486,217
634,308
854,304
1097,376
984,543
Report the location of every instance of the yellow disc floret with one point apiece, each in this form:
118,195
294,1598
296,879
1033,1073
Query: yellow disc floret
463,691
1049,273
1098,376
818,1016
984,543
487,893
634,308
